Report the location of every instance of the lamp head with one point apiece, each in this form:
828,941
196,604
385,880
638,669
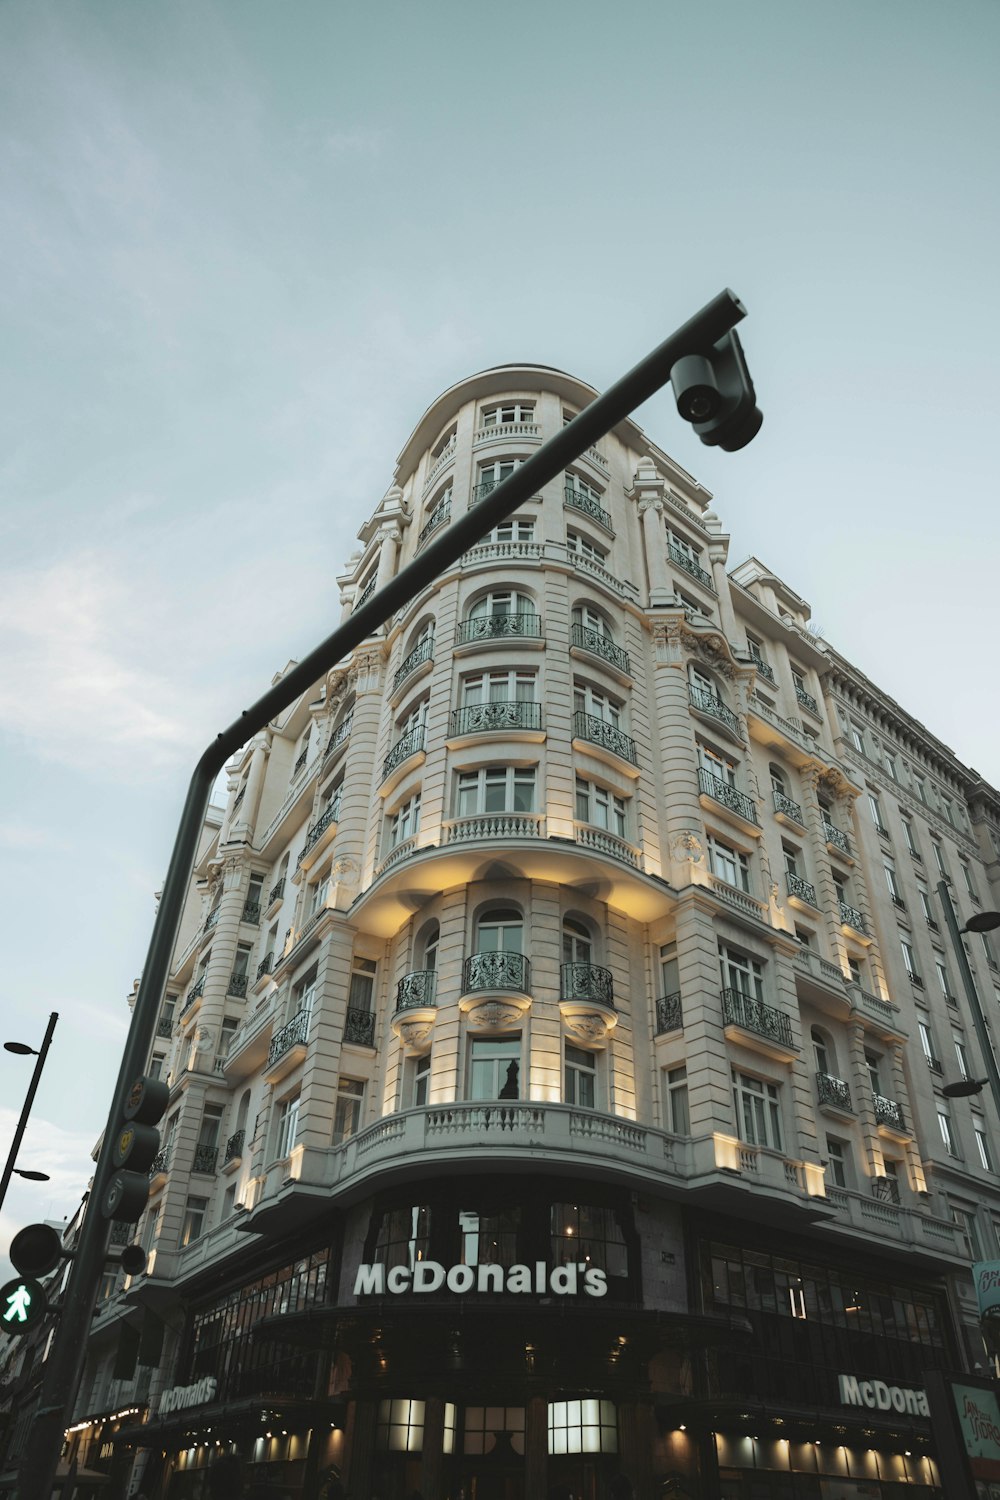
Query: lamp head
983,921
964,1088
21,1048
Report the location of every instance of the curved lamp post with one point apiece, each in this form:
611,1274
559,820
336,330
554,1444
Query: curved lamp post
983,921
23,1050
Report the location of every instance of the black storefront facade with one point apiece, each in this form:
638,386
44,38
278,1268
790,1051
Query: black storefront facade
496,1338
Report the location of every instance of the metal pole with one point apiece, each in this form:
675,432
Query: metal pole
64,1366
28,1102
972,995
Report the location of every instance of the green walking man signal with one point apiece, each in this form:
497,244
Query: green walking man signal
23,1304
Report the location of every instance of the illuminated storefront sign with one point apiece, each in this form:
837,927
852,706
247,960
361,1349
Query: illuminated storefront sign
986,1275
878,1396
180,1396
979,1419
431,1276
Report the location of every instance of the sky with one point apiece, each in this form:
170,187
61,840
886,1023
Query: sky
244,245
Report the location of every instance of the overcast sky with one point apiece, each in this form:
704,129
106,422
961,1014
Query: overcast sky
243,245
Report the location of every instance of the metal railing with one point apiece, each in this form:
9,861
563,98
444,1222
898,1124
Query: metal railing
807,700
851,917
366,592
300,762
277,891
804,890
836,837
212,918
251,912
496,971
359,1027
438,516
160,1162
764,669
669,1014
484,718
721,791
234,1146
238,985
834,1091
886,1189
599,732
583,981
888,1112
320,826
205,1158
416,989
789,807
339,735
588,505
266,965
689,565
601,645
753,1015
708,703
422,652
493,627
295,1034
411,743
164,1026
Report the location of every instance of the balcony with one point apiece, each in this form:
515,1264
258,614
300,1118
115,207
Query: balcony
417,990
205,1158
359,1027
498,628
212,918
366,592
755,1019
714,708
300,762
582,981
786,810
234,1150
496,971
889,1115
492,430
413,1018
496,718
589,506
727,796
247,1051
836,839
597,731
412,743
194,993
339,736
886,1189
165,1027
251,913
421,655
277,892
288,1047
159,1169
439,516
315,842
265,966
807,700
237,985
494,826
763,668
801,892
603,842
851,917
599,644
834,1094
437,464
669,1014
935,1064
689,566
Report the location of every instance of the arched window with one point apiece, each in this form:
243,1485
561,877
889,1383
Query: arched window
577,943
425,954
438,513
492,474
499,614
500,931
588,618
501,602
778,780
702,686
243,1111
822,1052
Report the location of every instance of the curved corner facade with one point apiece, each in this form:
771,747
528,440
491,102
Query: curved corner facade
557,1034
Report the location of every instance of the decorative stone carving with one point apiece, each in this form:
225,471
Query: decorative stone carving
345,868
587,1022
414,1027
687,847
493,1015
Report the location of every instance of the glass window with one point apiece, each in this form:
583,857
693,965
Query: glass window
857,736
962,1056
577,943
717,764
581,487
939,856
838,1160
195,1213
403,823
586,1232
510,411
941,969
421,1081
303,993
490,475
498,687
591,619
590,700
740,972
362,991
495,789
908,834
678,1113
909,957
211,1124
483,1425
400,1426
982,1146
404,1236
926,1041
583,546
596,804
288,1124
758,1110
347,1112
495,1064
489,1238
969,886
500,931
729,864
876,812
820,1052
581,1077
519,529
585,1426
947,1134
501,602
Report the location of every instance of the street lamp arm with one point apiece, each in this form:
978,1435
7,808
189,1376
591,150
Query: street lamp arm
971,993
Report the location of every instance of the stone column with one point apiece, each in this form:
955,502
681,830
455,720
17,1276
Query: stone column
862,1096
682,822
432,1458
648,490
536,1448
245,818
718,551
360,1446
390,536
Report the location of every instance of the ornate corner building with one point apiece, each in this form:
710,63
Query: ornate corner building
558,1030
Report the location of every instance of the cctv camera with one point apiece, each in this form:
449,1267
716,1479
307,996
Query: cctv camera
695,390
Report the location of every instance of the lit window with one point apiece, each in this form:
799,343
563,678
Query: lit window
287,1127
581,1077
588,1426
596,804
730,865
401,1426
404,1236
758,1110
589,1233
495,789
489,1238
347,1112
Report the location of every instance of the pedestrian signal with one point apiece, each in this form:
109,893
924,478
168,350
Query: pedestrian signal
23,1305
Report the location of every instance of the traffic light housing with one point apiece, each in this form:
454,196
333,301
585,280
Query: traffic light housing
136,1144
714,392
23,1304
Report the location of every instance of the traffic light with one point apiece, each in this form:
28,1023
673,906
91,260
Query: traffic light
23,1305
135,1147
715,394
35,1251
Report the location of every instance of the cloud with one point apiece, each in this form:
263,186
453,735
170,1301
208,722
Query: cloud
64,1155
26,839
356,141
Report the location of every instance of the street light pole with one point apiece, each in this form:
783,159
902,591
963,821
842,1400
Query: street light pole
972,994
28,1102
699,336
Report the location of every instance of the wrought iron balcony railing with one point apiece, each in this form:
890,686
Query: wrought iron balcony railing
915,979
339,735
599,732
295,1034
238,985
791,809
753,1015
422,652
833,1091
366,592
205,1158
266,965
410,744
601,645
359,1027
416,990
764,669
708,703
669,1014
239,797
121,1233
721,791
836,837
888,1112
803,889
851,917
277,891
485,718
322,823
251,912
578,981
807,700
164,1026
689,565
161,1162
300,762
438,516
588,505
935,1064
234,1146
194,993
496,971
493,627
886,1189
212,918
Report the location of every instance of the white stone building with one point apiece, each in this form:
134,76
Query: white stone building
586,918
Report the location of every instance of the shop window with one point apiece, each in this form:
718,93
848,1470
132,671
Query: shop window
588,1426
347,1113
400,1426
587,1232
483,1425
489,1238
494,1068
404,1237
